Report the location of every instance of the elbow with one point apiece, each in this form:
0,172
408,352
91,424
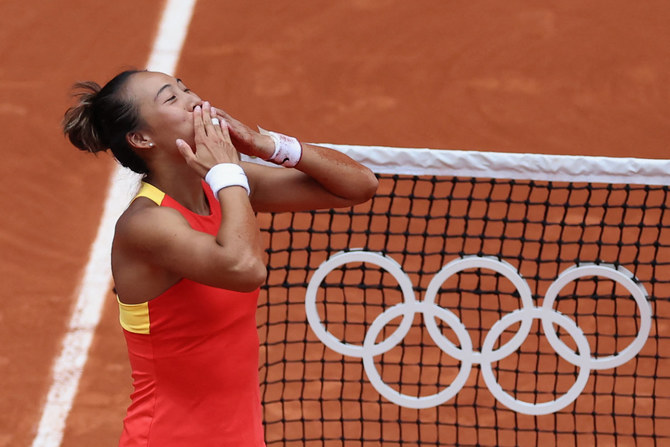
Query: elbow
372,185
367,188
257,278
247,273
251,275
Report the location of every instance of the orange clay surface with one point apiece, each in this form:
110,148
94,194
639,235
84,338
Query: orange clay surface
571,78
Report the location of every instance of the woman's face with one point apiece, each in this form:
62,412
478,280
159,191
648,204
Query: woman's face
165,107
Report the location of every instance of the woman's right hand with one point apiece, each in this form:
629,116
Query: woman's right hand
212,142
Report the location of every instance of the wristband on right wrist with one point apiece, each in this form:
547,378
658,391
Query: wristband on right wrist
288,150
224,175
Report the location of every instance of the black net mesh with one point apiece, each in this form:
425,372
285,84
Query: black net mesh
315,396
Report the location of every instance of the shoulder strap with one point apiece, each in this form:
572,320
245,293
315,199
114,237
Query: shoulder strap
151,192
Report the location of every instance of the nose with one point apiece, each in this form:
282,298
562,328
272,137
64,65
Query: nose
192,101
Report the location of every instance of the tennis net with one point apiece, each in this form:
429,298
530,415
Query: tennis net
478,299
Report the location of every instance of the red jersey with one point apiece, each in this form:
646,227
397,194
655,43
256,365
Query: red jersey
194,356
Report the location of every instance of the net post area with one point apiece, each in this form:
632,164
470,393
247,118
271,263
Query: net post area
479,299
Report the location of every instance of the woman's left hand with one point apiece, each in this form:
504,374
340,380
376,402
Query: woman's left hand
246,140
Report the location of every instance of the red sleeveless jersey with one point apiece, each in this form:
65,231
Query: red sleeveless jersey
194,356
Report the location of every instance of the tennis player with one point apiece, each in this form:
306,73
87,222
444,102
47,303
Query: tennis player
188,257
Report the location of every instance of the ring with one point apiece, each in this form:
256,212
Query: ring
215,121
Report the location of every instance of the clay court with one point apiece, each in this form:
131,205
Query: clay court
574,78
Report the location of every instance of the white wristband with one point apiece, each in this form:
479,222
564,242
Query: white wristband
224,175
288,150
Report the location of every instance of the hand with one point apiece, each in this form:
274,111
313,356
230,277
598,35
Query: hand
247,140
212,142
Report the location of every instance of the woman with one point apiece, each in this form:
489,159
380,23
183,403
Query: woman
187,256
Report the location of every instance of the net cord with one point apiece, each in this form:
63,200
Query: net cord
507,165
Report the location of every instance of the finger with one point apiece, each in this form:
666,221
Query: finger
207,117
224,114
198,125
224,128
217,123
235,128
185,150
220,112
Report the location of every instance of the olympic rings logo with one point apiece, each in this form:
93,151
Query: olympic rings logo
465,353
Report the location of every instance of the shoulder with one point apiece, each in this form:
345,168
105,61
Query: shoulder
143,220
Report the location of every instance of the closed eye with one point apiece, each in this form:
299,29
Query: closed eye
173,97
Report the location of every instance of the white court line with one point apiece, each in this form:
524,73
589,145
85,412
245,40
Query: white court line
97,278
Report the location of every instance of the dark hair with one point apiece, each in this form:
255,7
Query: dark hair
102,118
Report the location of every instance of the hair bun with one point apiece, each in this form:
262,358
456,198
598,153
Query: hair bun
79,122
102,119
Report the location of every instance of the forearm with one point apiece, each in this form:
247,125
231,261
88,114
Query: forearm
317,177
337,173
240,239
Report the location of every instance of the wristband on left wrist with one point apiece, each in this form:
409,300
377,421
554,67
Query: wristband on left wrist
224,175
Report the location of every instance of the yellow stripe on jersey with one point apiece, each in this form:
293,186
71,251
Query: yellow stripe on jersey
151,193
134,317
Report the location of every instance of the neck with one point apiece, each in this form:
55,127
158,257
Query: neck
182,184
